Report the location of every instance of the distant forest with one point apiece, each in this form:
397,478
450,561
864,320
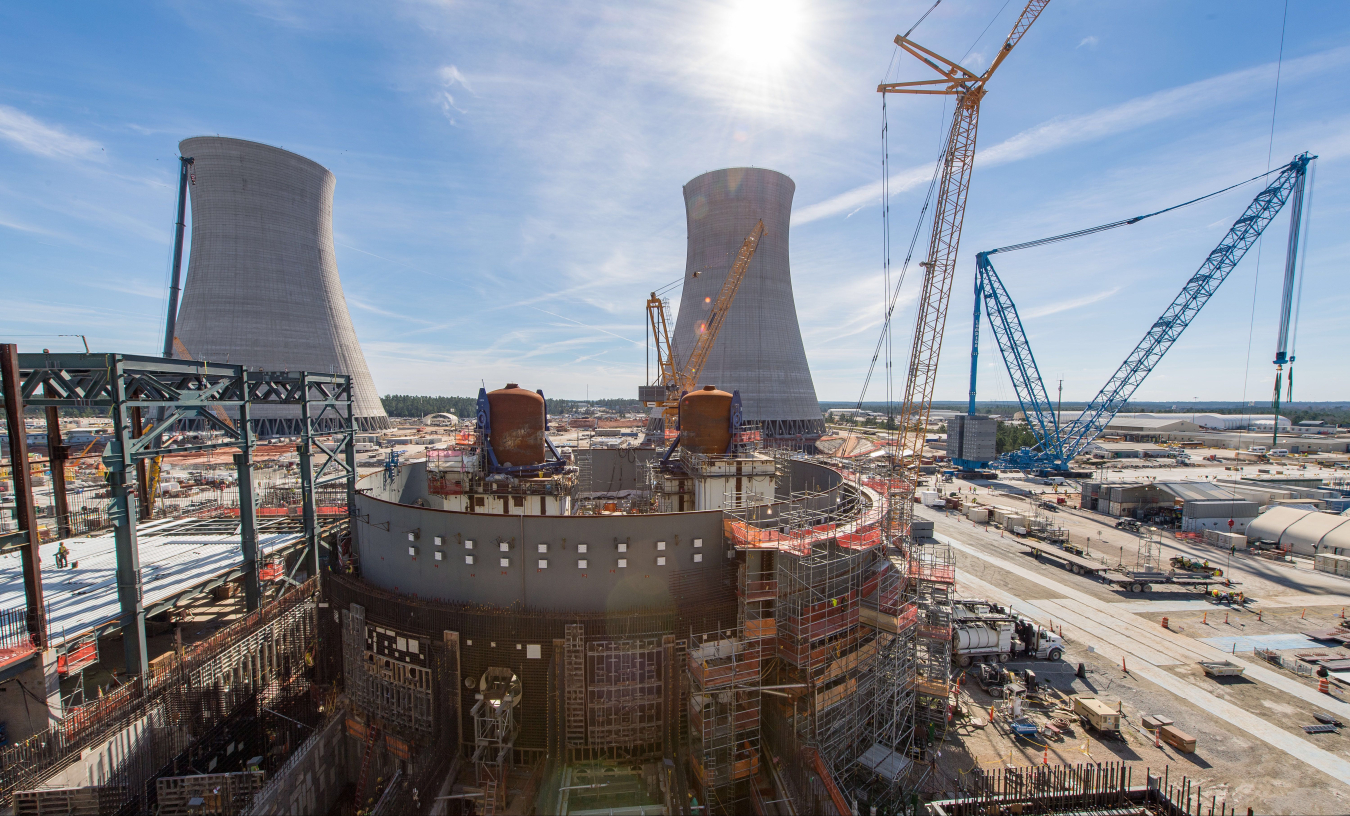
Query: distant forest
406,405
1332,413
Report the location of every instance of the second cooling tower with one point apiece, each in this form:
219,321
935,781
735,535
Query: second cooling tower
262,285
759,350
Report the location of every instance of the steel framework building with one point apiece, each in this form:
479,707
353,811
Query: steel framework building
262,289
759,350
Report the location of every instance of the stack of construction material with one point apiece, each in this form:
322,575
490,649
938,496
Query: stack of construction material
1334,564
1225,540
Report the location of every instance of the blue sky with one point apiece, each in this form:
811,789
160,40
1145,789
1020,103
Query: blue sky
509,174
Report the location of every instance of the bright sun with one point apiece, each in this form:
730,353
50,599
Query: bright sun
762,34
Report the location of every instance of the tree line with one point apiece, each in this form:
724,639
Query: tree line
407,405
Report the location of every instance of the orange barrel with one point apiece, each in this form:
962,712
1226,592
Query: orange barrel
705,421
517,418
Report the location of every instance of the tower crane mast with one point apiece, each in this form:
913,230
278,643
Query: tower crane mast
957,162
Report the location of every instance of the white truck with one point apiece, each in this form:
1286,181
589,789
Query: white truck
983,631
982,640
1038,640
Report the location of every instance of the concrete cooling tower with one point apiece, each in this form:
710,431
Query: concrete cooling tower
759,349
262,285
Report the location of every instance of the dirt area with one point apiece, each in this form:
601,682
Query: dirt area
1228,763
1251,748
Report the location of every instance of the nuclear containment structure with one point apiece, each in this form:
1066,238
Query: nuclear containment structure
262,286
759,351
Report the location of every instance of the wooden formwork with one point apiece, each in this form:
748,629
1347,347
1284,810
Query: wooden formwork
718,672
52,801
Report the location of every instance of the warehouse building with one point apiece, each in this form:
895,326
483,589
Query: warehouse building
1303,532
1190,507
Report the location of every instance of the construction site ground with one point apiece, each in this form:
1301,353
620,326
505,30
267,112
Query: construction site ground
1251,748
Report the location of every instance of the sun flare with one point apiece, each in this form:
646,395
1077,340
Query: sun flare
762,34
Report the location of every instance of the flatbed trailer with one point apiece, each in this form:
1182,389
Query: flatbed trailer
1144,582
1135,581
1072,562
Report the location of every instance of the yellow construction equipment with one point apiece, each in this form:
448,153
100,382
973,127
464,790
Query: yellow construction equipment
958,159
676,379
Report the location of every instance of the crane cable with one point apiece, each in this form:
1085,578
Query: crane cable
1126,222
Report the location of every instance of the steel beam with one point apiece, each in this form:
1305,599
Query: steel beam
25,512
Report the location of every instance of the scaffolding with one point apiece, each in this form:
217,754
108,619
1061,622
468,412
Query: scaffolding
822,585
495,730
725,676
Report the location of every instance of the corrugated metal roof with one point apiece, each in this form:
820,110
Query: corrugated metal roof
1198,491
176,555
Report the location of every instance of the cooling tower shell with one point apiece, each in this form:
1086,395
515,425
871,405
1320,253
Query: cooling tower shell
262,285
759,350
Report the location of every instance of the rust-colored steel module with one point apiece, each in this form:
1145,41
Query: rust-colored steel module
705,421
517,426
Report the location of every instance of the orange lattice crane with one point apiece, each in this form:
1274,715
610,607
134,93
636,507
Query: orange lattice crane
958,159
674,379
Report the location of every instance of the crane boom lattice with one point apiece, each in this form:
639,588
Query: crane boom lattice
1057,446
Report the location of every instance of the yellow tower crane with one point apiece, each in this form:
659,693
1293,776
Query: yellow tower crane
674,378
958,159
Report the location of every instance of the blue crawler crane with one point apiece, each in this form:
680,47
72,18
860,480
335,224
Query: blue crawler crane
1057,445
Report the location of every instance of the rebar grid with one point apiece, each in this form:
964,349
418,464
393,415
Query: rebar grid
219,688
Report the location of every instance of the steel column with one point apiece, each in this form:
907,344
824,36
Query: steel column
23,495
351,452
57,454
248,506
306,451
116,459
142,470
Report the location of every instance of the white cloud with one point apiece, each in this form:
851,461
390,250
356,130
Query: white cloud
451,76
1066,305
37,137
1090,42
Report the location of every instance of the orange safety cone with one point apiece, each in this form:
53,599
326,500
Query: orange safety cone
1045,758
1122,665
1164,623
1205,619
1305,613
1258,616
1323,686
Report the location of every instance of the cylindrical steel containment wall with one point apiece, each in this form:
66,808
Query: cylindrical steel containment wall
517,426
705,421
262,284
759,350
